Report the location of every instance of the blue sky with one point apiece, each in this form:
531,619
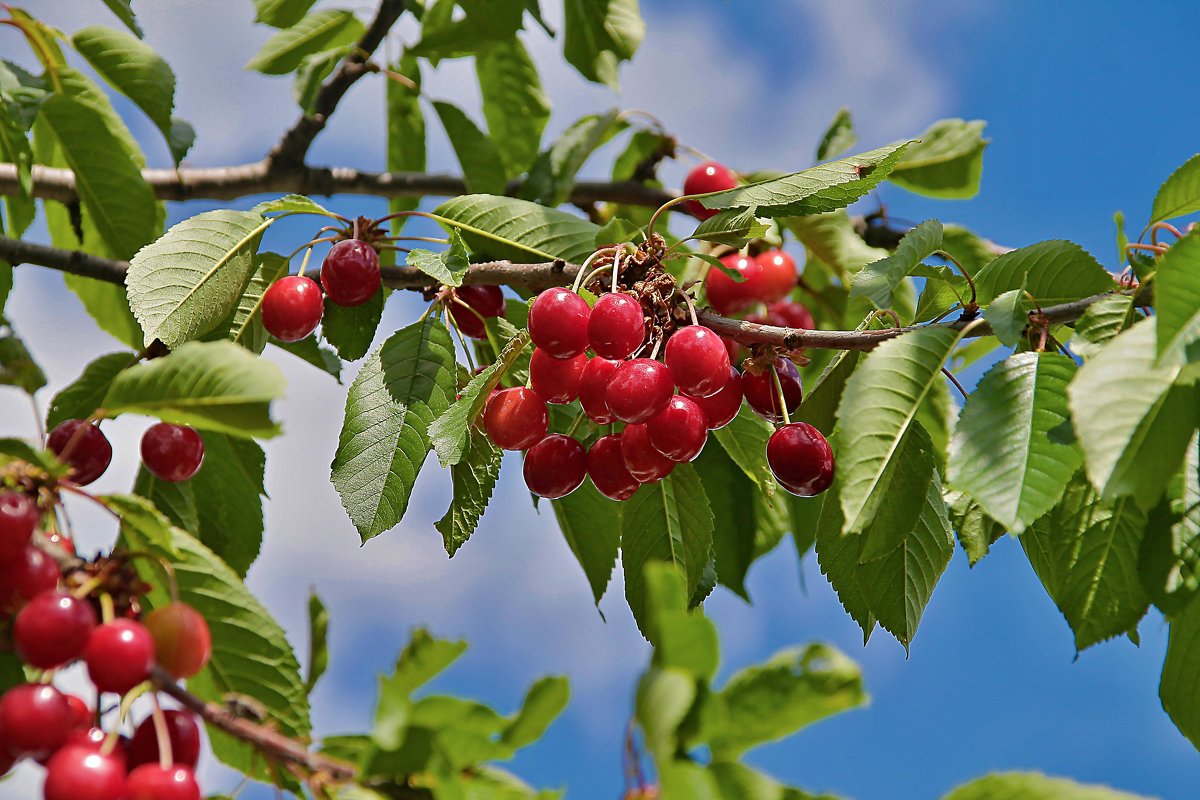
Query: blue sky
1088,112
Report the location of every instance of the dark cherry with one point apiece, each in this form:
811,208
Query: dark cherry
593,385
720,408
36,719
291,308
707,177
83,773
726,295
350,273
801,459
82,447
7,759
558,323
555,466
616,327
184,734
53,629
516,419
788,314
172,453
182,642
556,380
644,463
639,389
18,518
680,430
25,577
119,655
735,350
779,274
698,360
482,302
606,467
761,394
152,782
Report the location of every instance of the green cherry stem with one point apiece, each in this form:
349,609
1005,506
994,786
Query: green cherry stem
787,420
166,757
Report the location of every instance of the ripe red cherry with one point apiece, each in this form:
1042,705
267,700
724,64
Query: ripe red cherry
482,301
52,630
555,466
152,782
558,323
639,389
708,177
698,361
790,314
182,642
760,390
82,716
172,452
726,295
516,419
556,380
82,447
720,408
183,732
291,308
18,518
644,463
82,773
350,273
735,350
779,274
36,719
616,327
801,459
680,430
593,385
606,466
25,577
119,655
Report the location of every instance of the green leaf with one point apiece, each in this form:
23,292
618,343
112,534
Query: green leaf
839,136
351,329
727,488
406,384
211,385
125,13
79,399
544,701
446,266
478,155
318,31
291,204
474,477
517,230
19,450
643,152
1034,786
422,659
832,239
483,22
230,488
947,162
1180,193
1177,301
109,308
311,74
977,532
745,440
1008,451
12,671
735,779
1177,688
682,639
599,34
878,281
514,104
819,407
281,13
17,367
318,632
308,349
591,524
1008,314
405,132
1053,272
664,698
732,227
1103,320
175,500
244,324
553,174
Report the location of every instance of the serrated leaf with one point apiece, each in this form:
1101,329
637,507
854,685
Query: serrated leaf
877,281
1180,193
316,32
947,162
1103,320
405,132
599,34
446,266
109,308
17,367
230,489
311,74
617,230
291,204
517,230
839,136
644,150
745,440
1055,271
478,155
318,633
1034,786
819,407
281,13
244,324
734,520
732,227
80,398
544,701
125,13
444,34
591,524
552,176
175,500
514,104
1008,314
308,349
976,531
473,477
352,329
832,239
1177,300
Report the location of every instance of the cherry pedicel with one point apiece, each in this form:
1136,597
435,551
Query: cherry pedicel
558,323
680,430
801,459
291,308
593,385
153,782
53,629
726,295
555,466
779,274
606,467
36,719
182,731
481,302
639,389
82,447
172,453
763,396
182,642
82,773
721,408
698,361
119,655
516,419
617,326
707,177
556,380
350,273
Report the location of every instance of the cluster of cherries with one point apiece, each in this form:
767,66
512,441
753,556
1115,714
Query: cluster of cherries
292,306
50,626
170,452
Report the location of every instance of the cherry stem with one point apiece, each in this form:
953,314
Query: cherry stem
1163,226
95,582
962,270
787,420
393,247
166,569
458,331
304,261
658,211
107,612
430,239
575,424
583,268
310,243
355,227
1157,249
691,306
114,736
616,269
654,121
954,380
166,756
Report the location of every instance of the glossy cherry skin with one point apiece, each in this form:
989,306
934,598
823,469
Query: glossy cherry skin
606,467
639,389
172,453
720,408
350,273
761,394
680,430
616,327
516,419
556,380
482,302
90,452
184,734
152,782
644,463
25,577
726,295
698,360
707,177
18,518
81,714
53,629
558,323
82,773
119,655
801,459
555,466
36,719
291,308
182,642
593,385
789,314
779,274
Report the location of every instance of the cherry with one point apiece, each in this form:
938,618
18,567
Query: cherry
556,379
593,385
708,177
82,773
801,459
779,274
350,273
639,389
152,782
788,314
83,716
720,408
93,739
82,447
291,308
516,419
36,719
62,542
172,453
482,301
119,655
698,361
735,350
616,327
25,577
555,466
558,323
726,295
18,518
760,390
644,463
182,643
52,630
680,430
183,732
606,466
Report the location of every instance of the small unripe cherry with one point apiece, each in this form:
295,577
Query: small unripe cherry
516,418
292,307
726,295
182,731
556,380
182,642
153,782
698,361
82,447
36,719
558,322
680,430
350,272
52,629
801,459
639,389
707,177
779,274
721,408
25,577
18,518
642,460
606,467
119,655
172,453
555,466
762,395
616,327
593,384
481,301
83,773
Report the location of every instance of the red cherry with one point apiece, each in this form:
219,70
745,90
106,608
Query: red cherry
516,419
555,466
82,447
291,308
698,361
639,389
801,459
25,577
606,466
558,323
790,314
18,518
593,385
482,301
726,295
82,773
644,463
52,630
556,379
119,656
183,732
779,274
708,177
83,716
735,350
172,453
92,738
760,390
36,719
616,327
182,642
152,782
350,273
720,408
62,542
680,430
